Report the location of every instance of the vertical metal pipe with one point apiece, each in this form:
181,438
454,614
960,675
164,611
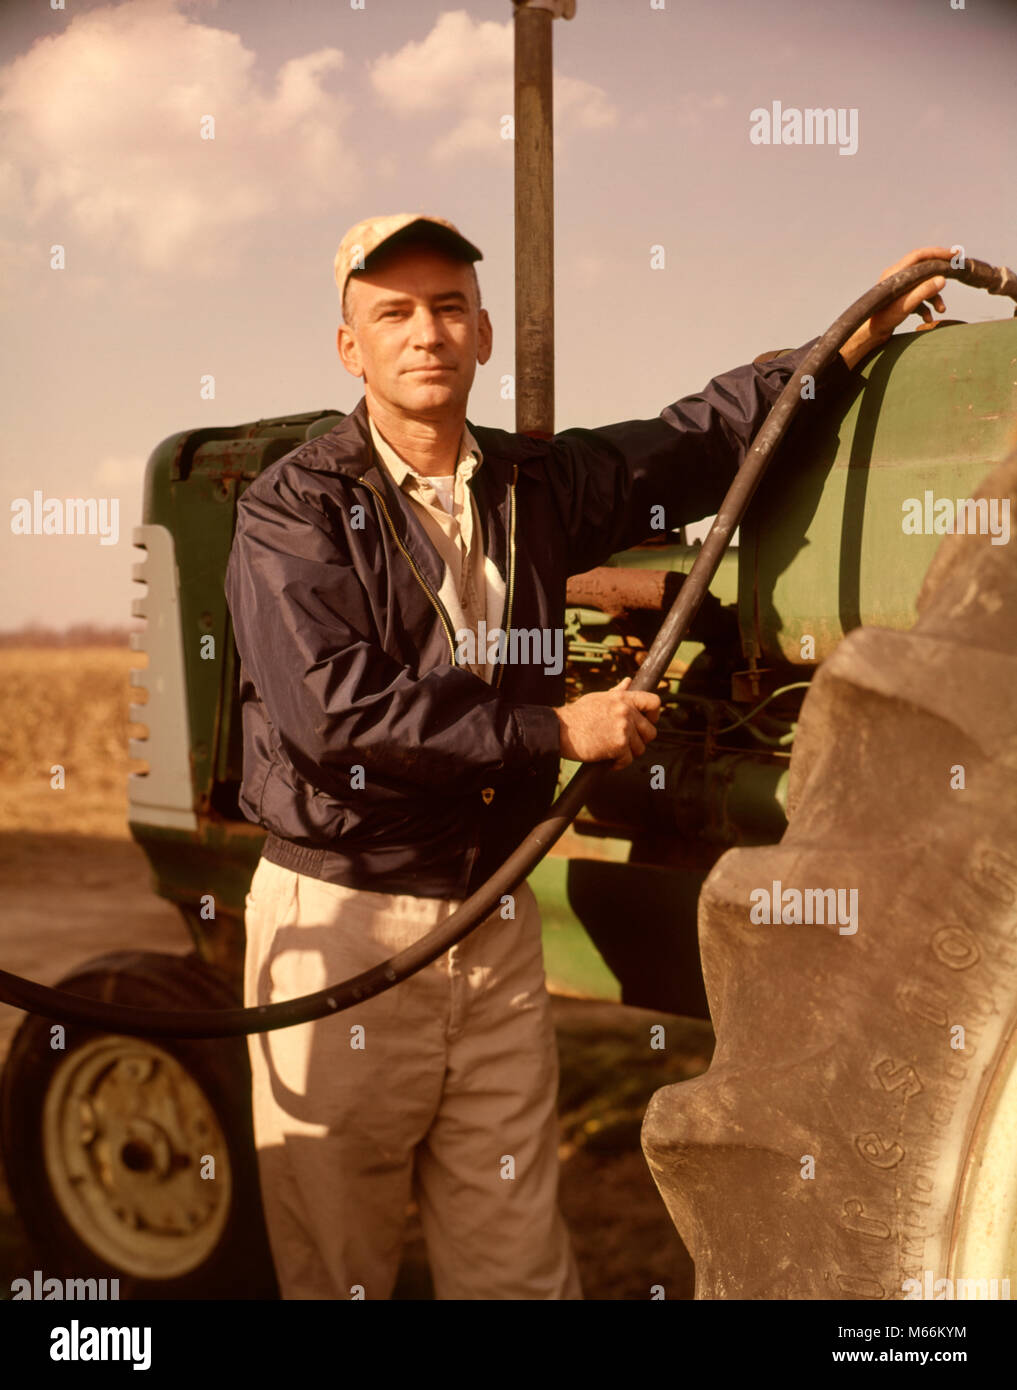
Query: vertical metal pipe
534,223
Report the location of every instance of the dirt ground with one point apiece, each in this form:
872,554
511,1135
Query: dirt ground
75,885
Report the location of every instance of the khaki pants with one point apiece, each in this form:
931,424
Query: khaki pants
443,1089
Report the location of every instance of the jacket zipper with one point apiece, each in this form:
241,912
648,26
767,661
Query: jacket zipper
439,607
506,621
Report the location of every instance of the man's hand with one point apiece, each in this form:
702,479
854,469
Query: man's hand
616,723
875,331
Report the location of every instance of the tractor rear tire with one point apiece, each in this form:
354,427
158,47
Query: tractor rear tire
853,1137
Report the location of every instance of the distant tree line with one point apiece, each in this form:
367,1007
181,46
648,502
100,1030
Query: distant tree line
76,635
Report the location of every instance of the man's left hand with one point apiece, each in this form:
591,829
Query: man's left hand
875,331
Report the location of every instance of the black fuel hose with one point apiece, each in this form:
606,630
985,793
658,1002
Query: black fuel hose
226,1023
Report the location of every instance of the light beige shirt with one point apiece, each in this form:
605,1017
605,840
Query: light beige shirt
471,588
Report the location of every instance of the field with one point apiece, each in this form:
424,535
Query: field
76,886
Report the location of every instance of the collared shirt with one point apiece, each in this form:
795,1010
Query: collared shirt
471,588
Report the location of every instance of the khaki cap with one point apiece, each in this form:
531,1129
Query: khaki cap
363,239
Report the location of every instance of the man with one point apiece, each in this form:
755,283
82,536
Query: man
396,759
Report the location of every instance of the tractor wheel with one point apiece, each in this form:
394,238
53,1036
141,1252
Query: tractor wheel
854,1135
134,1159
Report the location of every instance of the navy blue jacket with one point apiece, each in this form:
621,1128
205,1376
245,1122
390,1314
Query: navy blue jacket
348,658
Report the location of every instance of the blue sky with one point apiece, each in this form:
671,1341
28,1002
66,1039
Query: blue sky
187,257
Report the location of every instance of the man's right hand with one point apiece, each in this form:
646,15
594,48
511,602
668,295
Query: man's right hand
616,723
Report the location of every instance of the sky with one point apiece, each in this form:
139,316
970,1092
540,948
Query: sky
683,248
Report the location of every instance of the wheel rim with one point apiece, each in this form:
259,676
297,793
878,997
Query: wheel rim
125,1132
984,1245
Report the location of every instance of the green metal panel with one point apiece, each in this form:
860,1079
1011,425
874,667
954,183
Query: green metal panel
192,483
823,548
572,963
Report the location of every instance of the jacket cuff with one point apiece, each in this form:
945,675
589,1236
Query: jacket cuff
836,372
539,731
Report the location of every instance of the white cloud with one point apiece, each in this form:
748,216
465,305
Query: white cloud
456,57
103,136
580,105
463,69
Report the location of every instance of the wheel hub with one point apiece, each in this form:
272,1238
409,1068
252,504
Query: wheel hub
136,1157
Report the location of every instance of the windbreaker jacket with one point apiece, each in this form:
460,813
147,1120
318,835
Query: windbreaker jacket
371,756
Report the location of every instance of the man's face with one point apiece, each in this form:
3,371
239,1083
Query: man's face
417,333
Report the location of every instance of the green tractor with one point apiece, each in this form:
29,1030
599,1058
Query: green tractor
852,1131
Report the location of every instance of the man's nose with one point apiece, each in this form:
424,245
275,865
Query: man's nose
428,330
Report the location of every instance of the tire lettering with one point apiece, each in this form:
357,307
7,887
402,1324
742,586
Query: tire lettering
893,1078
955,947
877,1151
853,1218
921,1001
860,1288
995,875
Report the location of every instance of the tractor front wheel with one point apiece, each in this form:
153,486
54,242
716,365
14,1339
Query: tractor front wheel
134,1159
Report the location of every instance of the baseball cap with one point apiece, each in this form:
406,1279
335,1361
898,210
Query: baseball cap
364,238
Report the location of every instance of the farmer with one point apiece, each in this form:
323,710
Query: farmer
396,586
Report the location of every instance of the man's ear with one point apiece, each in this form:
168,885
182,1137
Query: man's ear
349,352
485,337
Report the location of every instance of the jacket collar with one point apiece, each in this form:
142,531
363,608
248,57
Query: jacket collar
470,457
348,450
